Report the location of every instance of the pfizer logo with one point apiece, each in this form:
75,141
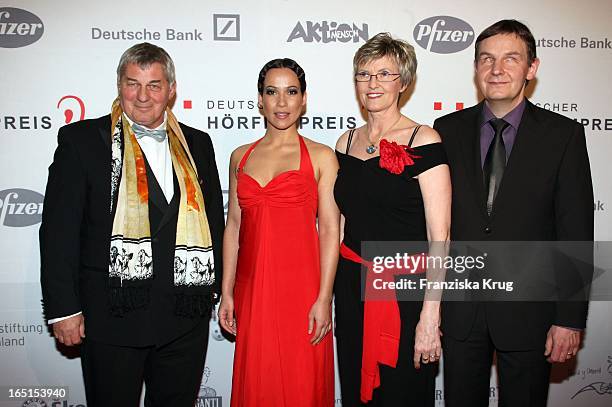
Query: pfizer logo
19,28
20,207
443,34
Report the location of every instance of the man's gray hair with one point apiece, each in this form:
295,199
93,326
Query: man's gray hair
145,54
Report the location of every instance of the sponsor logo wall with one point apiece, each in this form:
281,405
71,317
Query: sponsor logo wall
58,67
19,28
328,31
20,207
443,34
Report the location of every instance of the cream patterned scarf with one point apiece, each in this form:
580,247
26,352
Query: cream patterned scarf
131,259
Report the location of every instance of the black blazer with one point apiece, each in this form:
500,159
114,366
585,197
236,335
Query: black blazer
546,194
75,237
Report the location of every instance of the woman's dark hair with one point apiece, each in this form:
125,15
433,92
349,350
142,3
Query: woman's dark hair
281,63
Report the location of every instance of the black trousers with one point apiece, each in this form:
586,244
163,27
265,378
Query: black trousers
523,376
402,386
172,373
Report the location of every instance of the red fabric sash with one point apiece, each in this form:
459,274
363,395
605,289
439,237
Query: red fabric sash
381,325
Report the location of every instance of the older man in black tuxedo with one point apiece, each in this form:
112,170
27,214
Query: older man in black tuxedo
131,241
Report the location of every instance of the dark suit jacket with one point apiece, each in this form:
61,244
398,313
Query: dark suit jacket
546,194
75,237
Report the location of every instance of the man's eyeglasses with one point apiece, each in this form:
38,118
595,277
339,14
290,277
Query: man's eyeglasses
380,76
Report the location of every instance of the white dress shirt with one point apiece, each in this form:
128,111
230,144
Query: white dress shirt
160,161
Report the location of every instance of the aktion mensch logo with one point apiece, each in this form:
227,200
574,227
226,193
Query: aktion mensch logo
328,31
443,34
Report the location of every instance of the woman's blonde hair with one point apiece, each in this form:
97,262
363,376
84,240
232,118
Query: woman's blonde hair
383,45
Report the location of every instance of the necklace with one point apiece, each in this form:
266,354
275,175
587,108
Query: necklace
371,149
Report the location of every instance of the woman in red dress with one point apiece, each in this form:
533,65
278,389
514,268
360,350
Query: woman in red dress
278,268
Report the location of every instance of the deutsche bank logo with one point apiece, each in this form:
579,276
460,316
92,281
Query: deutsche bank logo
226,27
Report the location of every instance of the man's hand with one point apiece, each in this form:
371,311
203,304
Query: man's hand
70,331
561,343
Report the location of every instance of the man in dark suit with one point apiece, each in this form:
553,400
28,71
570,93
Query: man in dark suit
131,241
519,173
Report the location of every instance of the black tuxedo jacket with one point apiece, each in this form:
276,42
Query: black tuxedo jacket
75,237
546,194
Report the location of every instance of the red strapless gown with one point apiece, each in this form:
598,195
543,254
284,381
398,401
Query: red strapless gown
277,281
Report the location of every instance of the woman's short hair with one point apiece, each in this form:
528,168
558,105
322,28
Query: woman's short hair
384,45
281,63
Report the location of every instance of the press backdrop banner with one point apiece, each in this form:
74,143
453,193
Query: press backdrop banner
58,63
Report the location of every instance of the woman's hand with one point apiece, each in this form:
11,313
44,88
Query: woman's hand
319,320
427,344
226,314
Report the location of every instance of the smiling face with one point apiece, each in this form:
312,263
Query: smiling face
376,96
502,67
282,100
145,94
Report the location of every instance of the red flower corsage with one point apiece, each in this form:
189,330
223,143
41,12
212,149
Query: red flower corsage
394,157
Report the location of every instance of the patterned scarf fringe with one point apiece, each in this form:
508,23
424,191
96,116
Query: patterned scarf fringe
124,299
192,305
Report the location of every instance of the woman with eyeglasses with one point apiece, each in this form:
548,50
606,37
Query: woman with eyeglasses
393,185
278,268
